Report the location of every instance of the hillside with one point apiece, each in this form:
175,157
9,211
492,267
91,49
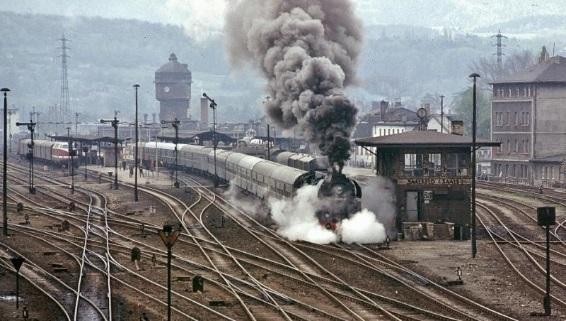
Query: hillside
109,55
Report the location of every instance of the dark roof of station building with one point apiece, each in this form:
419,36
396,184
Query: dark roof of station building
422,139
551,71
173,66
84,139
201,137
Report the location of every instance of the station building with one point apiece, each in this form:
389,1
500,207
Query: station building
431,172
527,118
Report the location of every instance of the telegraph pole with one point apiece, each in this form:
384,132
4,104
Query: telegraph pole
441,113
268,142
136,86
5,166
474,125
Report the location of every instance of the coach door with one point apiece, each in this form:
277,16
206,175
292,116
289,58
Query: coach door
413,207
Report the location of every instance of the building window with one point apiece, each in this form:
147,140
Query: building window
528,119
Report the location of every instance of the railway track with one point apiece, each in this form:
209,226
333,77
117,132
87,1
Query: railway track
115,262
248,222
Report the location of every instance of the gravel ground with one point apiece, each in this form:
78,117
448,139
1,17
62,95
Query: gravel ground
487,278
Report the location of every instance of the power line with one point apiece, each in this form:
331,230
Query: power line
499,45
64,111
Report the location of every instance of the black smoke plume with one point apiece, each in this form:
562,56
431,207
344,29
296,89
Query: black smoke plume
307,50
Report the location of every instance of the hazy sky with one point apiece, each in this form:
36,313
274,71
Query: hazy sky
202,17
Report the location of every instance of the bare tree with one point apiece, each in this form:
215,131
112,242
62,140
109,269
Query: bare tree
490,70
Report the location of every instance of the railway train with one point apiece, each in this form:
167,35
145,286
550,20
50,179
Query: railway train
254,175
261,177
56,153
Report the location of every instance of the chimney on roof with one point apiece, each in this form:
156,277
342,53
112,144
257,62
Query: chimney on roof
383,106
204,112
145,118
154,117
427,108
458,127
374,105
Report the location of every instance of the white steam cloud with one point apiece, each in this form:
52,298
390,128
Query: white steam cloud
297,221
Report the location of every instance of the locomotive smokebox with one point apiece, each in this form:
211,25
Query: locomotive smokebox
340,198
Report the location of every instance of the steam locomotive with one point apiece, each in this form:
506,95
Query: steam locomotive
339,195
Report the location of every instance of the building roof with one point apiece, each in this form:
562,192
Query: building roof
85,139
173,66
552,70
422,139
394,116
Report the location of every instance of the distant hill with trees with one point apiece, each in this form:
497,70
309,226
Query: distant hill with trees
109,55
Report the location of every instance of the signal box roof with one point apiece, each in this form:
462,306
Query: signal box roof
423,139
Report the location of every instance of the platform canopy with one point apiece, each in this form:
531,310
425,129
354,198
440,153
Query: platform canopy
84,139
423,139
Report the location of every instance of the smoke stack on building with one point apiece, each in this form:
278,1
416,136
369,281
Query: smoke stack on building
145,118
154,118
383,106
173,90
203,112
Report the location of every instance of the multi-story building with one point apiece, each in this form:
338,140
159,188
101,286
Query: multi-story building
528,119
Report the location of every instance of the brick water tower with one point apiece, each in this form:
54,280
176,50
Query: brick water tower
173,90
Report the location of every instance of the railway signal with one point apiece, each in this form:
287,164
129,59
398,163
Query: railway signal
175,123
17,263
85,151
213,105
546,216
114,123
72,153
31,128
5,166
169,237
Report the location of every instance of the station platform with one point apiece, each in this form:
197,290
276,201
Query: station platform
160,178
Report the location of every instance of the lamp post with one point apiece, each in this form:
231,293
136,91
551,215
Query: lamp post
72,160
136,86
474,112
169,237
31,128
114,123
175,123
17,263
5,166
441,113
213,105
